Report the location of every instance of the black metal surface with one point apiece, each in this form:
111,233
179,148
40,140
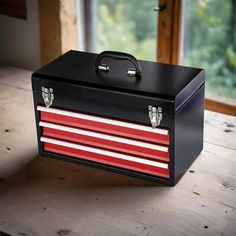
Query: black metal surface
160,81
105,109
117,170
130,101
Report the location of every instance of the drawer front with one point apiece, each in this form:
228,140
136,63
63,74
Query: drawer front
113,142
105,125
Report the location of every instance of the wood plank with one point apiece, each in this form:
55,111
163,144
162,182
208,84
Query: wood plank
68,21
58,32
176,32
220,129
164,31
50,30
169,31
219,106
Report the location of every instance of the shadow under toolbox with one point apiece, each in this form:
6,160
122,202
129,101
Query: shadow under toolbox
147,122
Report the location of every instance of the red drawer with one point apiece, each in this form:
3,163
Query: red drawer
105,141
104,125
113,142
106,157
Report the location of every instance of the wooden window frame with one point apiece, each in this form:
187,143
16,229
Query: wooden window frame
169,25
169,46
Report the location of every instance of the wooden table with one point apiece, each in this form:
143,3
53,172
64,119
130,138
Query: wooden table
40,196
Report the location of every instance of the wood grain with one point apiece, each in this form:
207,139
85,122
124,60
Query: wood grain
222,107
50,30
58,32
68,25
169,31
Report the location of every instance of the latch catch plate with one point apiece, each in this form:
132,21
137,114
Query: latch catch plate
48,96
155,115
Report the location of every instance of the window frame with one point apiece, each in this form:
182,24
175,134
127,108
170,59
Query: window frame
169,46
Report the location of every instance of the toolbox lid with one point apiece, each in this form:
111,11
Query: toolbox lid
163,81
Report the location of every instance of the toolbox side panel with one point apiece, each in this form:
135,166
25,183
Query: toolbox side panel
189,133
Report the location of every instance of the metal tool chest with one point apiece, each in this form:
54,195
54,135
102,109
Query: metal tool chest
113,112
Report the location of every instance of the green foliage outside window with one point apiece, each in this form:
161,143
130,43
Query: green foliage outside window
128,26
210,43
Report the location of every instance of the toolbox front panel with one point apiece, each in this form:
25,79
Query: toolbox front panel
107,109
138,148
99,95
104,125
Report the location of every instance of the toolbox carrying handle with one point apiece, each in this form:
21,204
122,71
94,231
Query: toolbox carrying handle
118,56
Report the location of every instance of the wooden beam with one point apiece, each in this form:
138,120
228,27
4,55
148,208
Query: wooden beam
222,107
176,32
50,30
68,25
164,31
57,28
169,28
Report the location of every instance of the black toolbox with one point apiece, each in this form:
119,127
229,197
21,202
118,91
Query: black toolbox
110,111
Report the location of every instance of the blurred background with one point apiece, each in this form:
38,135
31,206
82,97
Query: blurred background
187,32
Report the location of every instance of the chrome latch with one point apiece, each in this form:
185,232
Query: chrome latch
48,96
103,67
155,115
131,72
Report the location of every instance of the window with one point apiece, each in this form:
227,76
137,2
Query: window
209,41
121,25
